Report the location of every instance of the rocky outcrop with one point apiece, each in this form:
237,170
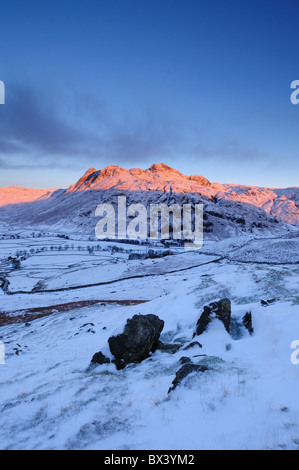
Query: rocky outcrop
220,310
138,340
157,177
247,322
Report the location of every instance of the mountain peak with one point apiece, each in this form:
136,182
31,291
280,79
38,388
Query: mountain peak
162,167
90,171
81,182
159,177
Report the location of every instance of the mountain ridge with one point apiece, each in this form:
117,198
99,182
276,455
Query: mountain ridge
281,203
148,186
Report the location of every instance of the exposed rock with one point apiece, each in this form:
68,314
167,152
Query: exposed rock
220,310
4,283
184,371
203,321
223,310
247,322
87,324
171,348
185,360
191,345
265,303
99,358
139,339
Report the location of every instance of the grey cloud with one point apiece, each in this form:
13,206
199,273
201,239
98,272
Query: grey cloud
38,123
29,122
152,137
229,149
45,129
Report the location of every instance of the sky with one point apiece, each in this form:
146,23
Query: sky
201,85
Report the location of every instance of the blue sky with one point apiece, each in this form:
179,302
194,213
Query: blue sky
203,86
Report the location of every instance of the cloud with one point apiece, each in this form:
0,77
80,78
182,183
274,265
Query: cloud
39,127
22,164
44,128
232,150
29,122
154,135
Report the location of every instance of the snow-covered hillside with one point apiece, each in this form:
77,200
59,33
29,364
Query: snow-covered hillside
64,294
66,300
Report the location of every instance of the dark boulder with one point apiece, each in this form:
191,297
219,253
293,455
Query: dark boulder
220,310
139,339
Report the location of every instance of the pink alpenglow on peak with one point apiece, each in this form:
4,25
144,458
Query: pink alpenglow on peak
159,177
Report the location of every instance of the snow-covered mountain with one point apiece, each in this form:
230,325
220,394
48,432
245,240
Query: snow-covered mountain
281,203
159,177
229,209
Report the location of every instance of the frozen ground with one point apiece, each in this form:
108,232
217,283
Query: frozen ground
51,397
